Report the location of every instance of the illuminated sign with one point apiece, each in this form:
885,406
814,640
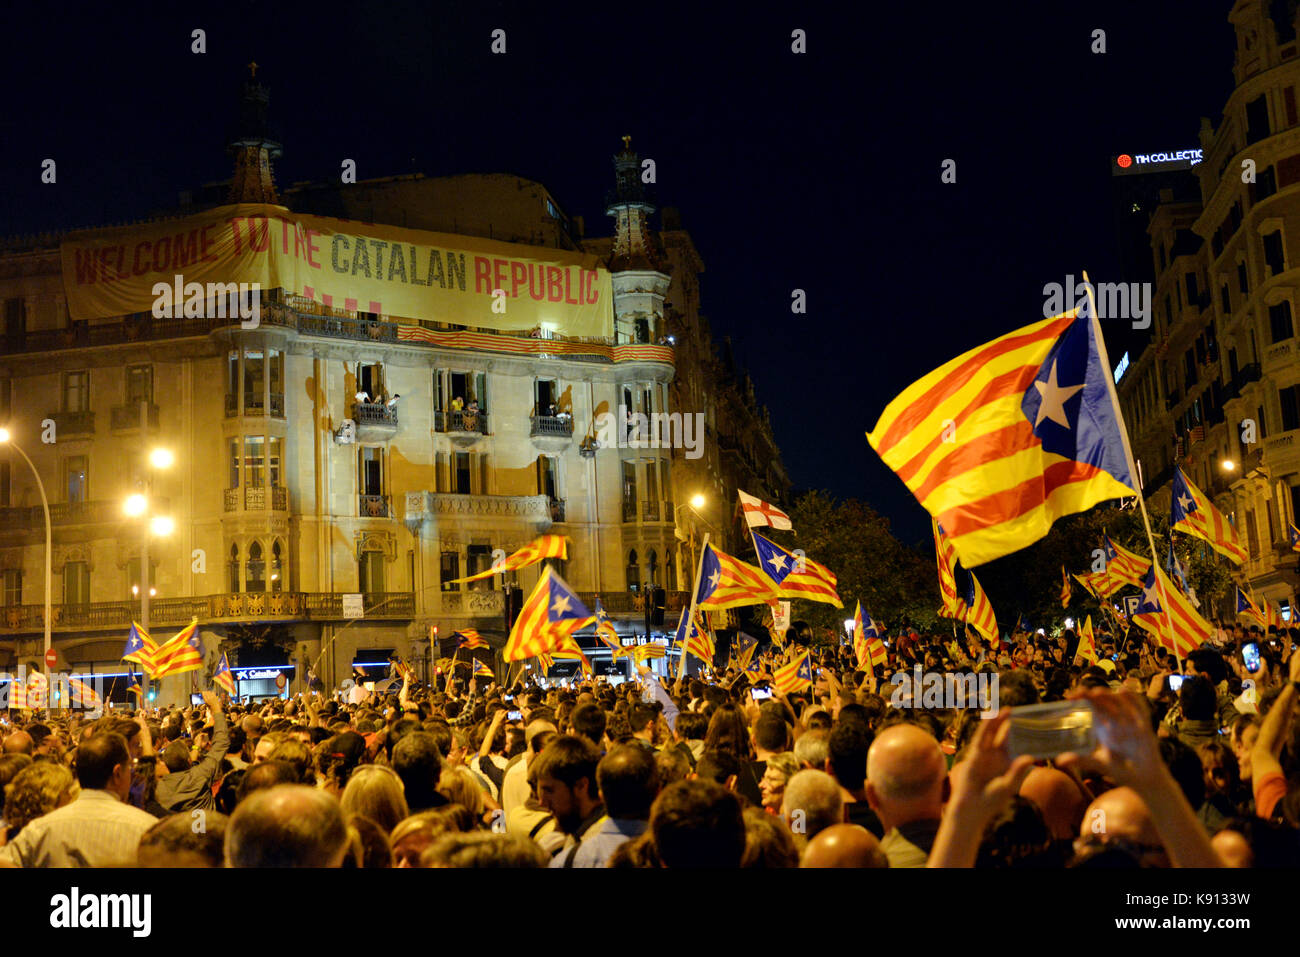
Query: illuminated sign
1121,368
1126,164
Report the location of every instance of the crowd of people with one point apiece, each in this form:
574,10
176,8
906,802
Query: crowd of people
719,770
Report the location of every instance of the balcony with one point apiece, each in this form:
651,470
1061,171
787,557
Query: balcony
633,602
73,423
128,416
229,607
1282,450
1278,356
256,404
373,506
339,327
629,511
463,428
376,422
104,512
650,511
487,602
254,498
550,433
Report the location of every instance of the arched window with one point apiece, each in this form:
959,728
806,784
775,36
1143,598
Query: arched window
233,568
277,566
255,569
633,572
670,571
652,567
370,572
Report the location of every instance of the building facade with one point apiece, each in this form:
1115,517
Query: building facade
327,453
1217,390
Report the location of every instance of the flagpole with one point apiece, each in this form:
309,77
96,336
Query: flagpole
690,612
1128,454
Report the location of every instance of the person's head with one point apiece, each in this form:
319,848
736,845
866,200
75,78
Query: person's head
1244,732
642,718
483,850
844,845
36,791
771,734
418,763
1120,820
778,771
290,825
176,842
268,774
538,734
1219,764
813,748
768,842
697,824
1198,699
691,726
628,778
253,727
19,742
298,753
176,757
672,765
266,744
720,767
588,720
727,732
846,754
411,837
104,764
10,766
459,786
566,780
1058,798
340,757
377,793
368,847
812,802
907,776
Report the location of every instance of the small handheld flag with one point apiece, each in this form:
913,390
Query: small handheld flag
1065,588
1087,644
222,677
184,652
1191,512
481,670
794,676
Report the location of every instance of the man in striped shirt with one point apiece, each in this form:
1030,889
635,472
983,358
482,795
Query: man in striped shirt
99,829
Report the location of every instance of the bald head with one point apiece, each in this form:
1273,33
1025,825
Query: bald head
1055,794
907,776
844,845
20,742
1120,814
290,825
812,802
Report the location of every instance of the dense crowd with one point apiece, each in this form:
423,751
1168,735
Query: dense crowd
721,770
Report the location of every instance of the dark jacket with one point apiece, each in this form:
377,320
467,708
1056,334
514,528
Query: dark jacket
192,789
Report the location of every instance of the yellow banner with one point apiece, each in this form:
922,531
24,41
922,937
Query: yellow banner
348,265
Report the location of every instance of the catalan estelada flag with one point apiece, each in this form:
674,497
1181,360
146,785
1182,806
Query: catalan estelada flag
1005,439
606,633
1245,606
182,653
548,619
1065,588
727,582
1273,614
222,677
84,696
469,639
954,606
744,649
1189,628
980,614
547,546
868,647
1294,534
481,670
140,648
1087,643
698,642
794,676
795,577
1191,512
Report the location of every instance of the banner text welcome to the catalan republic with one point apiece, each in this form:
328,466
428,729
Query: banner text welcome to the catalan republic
399,272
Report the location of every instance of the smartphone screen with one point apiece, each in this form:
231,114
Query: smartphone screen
515,715
1250,656
1176,682
1046,730
761,694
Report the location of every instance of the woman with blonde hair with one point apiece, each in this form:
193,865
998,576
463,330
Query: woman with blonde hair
35,791
459,786
376,792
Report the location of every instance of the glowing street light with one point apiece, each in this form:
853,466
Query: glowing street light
161,458
1227,465
697,501
161,526
135,505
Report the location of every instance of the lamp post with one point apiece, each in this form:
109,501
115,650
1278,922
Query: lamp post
696,503
6,439
157,525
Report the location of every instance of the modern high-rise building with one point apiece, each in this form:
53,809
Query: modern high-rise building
338,464
1217,390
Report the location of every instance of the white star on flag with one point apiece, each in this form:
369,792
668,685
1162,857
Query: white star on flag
1149,595
561,605
1185,503
1054,397
777,562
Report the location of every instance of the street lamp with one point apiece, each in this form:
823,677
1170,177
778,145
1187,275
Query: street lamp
1228,465
7,439
160,526
696,503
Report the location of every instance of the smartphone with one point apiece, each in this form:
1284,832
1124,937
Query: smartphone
1046,730
1114,657
1176,682
1250,656
514,715
508,697
760,694
196,699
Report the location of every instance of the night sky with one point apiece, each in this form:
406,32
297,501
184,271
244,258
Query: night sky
818,172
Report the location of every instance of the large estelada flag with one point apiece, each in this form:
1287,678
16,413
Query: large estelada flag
795,576
1005,439
1123,566
867,646
140,648
1191,512
794,676
1189,628
547,546
547,620
759,514
727,582
183,652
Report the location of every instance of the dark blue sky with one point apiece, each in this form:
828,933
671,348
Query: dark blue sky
818,172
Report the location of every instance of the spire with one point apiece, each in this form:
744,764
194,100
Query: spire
635,246
253,145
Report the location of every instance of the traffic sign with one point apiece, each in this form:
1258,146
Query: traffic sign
51,658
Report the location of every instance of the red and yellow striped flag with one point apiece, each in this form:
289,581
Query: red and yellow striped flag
547,546
1065,588
1189,629
1087,644
980,614
549,617
182,653
794,676
1003,440
1192,512
727,582
954,606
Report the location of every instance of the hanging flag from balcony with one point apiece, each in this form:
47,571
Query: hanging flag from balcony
1189,629
758,513
141,649
727,582
795,576
1191,512
547,546
182,653
1005,439
547,620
